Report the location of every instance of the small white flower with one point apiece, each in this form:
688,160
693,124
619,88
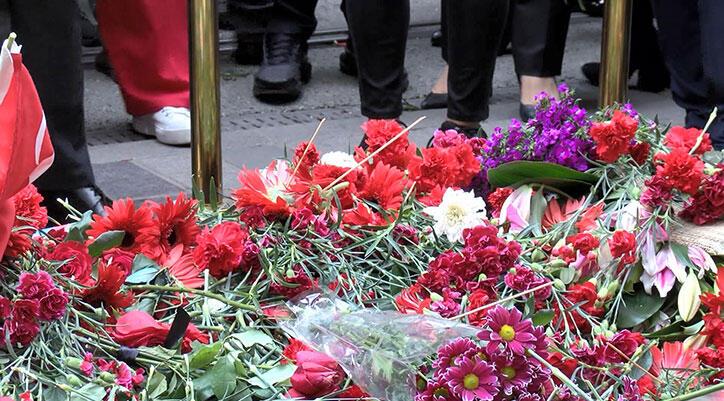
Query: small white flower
339,159
457,211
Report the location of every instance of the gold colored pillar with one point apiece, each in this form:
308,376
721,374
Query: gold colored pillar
615,52
205,100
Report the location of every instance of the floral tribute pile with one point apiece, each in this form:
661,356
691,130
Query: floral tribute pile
552,239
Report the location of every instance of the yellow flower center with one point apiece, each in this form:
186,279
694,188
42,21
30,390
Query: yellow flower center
440,392
507,332
455,213
508,372
471,381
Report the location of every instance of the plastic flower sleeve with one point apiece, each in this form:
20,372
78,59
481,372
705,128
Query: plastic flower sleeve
381,351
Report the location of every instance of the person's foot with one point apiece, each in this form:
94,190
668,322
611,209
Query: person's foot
437,98
530,88
650,80
82,199
591,71
249,49
436,38
527,112
170,125
283,70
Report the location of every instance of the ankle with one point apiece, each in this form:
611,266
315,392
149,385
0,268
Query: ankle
531,86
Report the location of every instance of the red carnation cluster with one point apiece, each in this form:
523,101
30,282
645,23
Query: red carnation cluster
222,249
40,301
613,138
686,138
398,153
76,263
497,198
306,157
444,167
293,283
623,245
707,205
29,217
584,297
680,170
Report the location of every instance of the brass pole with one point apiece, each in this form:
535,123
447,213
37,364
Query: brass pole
205,101
615,52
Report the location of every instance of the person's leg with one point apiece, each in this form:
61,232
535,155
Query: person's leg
378,29
645,54
711,15
474,29
50,33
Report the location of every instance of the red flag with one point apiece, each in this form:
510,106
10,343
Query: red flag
25,148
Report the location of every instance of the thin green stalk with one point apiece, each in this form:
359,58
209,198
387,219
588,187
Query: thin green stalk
698,393
561,376
150,287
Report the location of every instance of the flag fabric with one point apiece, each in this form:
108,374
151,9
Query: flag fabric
25,147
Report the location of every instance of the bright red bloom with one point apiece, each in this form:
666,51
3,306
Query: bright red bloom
681,170
583,242
29,216
624,341
685,139
323,176
139,329
412,300
77,263
34,285
708,204
22,332
354,393
317,375
220,249
123,216
478,299
713,358
444,167
25,310
398,153
623,245
305,165
295,282
107,289
715,303
384,186
175,225
590,217
497,198
53,305
362,215
182,268
566,365
264,191
613,138
291,350
121,259
586,295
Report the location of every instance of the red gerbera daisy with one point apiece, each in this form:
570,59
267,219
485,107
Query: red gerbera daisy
123,216
175,225
106,291
384,186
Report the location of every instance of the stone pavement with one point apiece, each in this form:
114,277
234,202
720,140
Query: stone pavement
127,164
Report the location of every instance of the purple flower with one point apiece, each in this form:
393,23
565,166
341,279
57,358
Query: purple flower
506,327
630,390
436,390
514,372
473,379
529,397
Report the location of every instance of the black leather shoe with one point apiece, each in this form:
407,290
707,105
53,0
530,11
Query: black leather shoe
650,79
436,38
283,70
250,48
526,111
434,101
82,199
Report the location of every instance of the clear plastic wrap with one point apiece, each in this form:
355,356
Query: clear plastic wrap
381,351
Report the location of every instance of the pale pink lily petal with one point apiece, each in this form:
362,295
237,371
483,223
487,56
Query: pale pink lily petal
516,209
701,259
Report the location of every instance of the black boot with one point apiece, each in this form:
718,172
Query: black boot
82,199
283,70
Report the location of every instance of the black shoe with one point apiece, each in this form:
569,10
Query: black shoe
434,101
436,38
82,199
591,71
283,70
250,48
527,112
477,132
103,66
653,79
88,24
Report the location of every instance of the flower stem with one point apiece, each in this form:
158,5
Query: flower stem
207,294
698,393
562,377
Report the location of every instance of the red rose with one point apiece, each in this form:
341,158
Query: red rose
623,245
317,375
613,138
52,305
220,249
77,263
583,242
290,351
685,139
681,170
34,285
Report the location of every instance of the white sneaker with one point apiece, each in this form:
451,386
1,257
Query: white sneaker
170,125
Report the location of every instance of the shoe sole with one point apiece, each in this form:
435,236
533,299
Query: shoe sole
180,137
283,92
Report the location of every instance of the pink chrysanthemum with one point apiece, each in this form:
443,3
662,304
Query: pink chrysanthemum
450,354
473,379
514,372
506,327
436,390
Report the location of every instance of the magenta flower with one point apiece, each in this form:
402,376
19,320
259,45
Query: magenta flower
436,390
506,327
450,354
514,372
473,380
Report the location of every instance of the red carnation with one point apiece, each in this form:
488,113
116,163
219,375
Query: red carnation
77,263
291,350
623,245
657,193
497,198
446,167
708,204
29,216
354,393
624,341
305,165
685,139
35,285
583,242
22,332
295,282
107,289
640,152
681,170
585,296
25,310
379,132
478,299
6,306
124,216
52,305
613,138
175,225
220,249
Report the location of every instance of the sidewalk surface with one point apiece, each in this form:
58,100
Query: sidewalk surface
254,133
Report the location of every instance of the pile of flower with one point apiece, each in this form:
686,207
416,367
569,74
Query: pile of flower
552,238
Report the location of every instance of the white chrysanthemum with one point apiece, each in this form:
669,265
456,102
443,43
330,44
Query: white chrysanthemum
457,211
339,159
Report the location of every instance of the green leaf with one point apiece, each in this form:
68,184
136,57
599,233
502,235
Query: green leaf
252,337
142,276
224,377
645,361
76,231
90,391
273,376
538,206
204,356
524,172
156,386
203,386
53,393
567,275
682,254
543,317
107,240
636,308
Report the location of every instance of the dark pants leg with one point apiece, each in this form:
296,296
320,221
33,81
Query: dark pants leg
539,35
691,33
645,51
473,31
293,16
378,29
51,37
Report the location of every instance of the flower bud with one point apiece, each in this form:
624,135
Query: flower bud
558,284
107,377
558,263
689,297
538,255
74,381
73,362
436,297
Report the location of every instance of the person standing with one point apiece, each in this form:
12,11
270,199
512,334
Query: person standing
691,33
147,45
50,33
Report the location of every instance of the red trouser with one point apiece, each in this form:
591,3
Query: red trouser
147,45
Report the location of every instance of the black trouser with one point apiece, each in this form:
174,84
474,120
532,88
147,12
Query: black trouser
692,40
539,36
472,30
50,33
292,16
